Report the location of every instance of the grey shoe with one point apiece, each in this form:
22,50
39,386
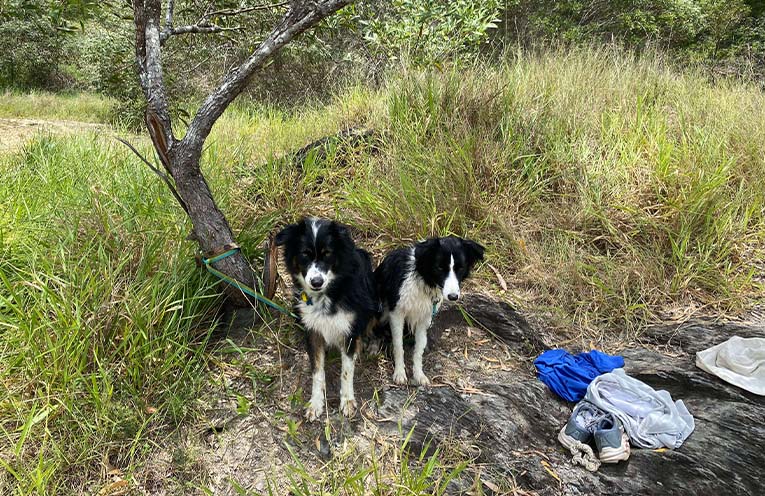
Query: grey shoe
577,433
581,426
612,442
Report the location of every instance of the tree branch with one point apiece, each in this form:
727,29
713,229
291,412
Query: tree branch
196,28
301,16
165,178
147,21
245,10
169,15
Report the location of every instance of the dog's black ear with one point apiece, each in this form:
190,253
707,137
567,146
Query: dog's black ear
473,250
340,229
287,233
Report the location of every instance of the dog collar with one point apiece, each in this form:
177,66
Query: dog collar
306,299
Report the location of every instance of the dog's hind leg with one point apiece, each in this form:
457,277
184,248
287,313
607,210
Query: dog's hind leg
316,354
373,341
348,355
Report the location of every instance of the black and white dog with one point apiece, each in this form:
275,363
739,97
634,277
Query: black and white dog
334,283
412,282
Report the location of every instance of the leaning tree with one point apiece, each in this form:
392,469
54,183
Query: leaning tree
180,156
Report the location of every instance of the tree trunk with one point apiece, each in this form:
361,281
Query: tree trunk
211,229
181,157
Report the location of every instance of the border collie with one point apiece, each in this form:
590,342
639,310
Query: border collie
336,299
412,282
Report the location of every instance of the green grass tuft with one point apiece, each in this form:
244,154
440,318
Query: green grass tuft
103,316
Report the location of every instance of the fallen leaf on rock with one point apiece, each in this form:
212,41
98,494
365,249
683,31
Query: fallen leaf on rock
549,470
493,487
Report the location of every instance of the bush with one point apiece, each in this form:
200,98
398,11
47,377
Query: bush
28,50
428,32
715,32
105,63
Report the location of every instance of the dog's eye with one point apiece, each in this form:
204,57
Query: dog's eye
325,253
307,253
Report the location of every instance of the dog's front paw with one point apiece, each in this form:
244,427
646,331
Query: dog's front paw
348,406
399,376
313,412
421,379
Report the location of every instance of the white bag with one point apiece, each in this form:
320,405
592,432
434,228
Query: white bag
739,361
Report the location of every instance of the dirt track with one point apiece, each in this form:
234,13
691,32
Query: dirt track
14,133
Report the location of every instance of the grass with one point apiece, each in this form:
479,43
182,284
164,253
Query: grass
82,107
606,188
385,471
101,321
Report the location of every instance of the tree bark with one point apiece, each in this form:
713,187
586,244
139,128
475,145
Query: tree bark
182,157
211,229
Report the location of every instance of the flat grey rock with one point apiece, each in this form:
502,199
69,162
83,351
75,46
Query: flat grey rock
514,424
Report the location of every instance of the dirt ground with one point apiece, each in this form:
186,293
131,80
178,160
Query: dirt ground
252,439
262,440
14,133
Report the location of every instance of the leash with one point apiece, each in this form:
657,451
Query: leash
208,261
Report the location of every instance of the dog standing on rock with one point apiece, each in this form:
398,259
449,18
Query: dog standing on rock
334,283
412,282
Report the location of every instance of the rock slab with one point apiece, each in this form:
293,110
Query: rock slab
513,425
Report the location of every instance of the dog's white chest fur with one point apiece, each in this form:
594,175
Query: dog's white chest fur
335,327
416,298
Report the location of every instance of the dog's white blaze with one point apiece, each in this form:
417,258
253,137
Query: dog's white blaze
451,284
314,271
315,227
333,327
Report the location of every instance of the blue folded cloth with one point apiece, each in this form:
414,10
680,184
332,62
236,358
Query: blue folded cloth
569,375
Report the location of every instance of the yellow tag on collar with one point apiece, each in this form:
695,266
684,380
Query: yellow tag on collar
305,298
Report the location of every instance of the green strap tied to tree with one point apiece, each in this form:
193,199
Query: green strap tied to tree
241,287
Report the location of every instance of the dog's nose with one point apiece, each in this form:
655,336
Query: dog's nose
316,282
453,296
